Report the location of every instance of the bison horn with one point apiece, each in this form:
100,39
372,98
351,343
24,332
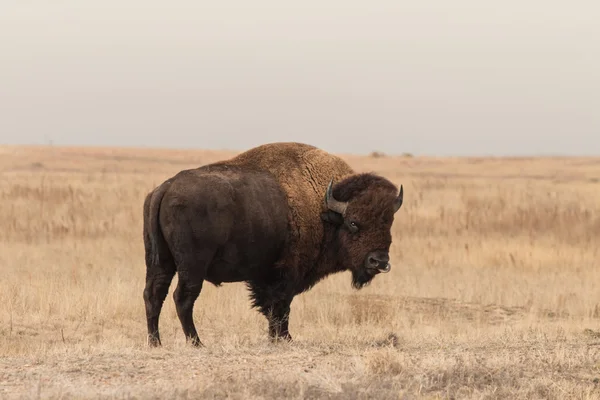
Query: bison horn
399,199
332,203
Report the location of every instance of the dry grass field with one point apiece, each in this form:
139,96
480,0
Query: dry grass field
494,289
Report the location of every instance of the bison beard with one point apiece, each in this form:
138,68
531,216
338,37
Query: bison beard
272,217
362,278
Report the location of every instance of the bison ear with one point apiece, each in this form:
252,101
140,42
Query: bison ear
399,199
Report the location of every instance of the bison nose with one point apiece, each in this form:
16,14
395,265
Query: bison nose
380,261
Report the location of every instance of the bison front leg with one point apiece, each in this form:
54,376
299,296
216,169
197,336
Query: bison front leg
278,316
273,301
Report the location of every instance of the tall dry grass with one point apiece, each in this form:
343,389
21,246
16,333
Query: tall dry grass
493,290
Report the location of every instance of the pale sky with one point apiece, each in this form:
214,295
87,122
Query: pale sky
431,77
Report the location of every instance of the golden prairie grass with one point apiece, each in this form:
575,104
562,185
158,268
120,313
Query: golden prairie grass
493,291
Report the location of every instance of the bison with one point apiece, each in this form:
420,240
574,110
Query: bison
279,217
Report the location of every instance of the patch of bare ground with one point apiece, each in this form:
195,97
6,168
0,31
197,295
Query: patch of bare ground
492,294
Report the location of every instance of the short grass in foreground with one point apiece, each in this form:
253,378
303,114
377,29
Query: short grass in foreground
492,293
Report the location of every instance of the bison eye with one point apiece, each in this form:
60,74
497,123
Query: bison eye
353,226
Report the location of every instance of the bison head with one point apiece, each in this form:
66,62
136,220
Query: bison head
362,209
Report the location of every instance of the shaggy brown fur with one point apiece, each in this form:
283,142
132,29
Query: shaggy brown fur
266,218
303,171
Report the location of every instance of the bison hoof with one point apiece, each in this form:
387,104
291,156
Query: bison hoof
195,342
284,338
153,341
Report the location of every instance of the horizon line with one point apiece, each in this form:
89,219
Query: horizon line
373,153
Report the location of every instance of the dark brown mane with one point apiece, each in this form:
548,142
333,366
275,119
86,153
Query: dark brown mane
354,185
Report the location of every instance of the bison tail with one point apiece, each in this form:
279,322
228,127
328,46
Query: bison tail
154,241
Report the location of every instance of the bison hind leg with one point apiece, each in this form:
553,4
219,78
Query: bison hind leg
191,270
158,280
185,296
